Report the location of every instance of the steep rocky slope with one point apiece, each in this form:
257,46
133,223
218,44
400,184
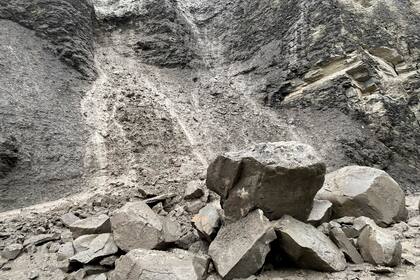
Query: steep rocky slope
176,82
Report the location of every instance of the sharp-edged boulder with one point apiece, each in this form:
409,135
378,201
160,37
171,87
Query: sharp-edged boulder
136,225
142,264
321,212
194,190
378,246
364,191
240,248
308,247
92,247
92,225
278,178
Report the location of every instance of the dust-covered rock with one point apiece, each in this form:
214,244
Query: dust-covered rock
308,247
91,225
340,239
143,264
12,251
278,178
93,247
240,248
364,191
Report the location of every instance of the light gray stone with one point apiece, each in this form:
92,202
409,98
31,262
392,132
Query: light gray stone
321,212
308,247
143,264
12,251
378,246
240,248
207,221
68,219
98,246
92,225
278,178
41,239
65,251
364,191
135,225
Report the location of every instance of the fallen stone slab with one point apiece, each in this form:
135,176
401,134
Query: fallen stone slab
240,248
278,178
159,198
143,264
136,225
308,247
100,245
378,246
194,190
40,239
12,251
207,221
364,191
92,225
321,212
340,239
65,251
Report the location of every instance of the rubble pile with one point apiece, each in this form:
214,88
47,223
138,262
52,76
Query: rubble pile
270,213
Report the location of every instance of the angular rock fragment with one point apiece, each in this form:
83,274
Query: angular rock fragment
240,248
135,225
321,212
278,178
100,245
207,220
68,219
364,191
12,251
340,239
40,239
101,276
378,246
308,247
194,190
142,264
92,225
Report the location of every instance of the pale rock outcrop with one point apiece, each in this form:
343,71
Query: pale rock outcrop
364,191
240,248
278,178
143,264
308,247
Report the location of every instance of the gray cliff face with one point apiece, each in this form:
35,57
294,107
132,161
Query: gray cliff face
177,82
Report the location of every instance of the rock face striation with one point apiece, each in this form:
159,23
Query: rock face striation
278,178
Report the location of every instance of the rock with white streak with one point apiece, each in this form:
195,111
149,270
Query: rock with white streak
278,178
